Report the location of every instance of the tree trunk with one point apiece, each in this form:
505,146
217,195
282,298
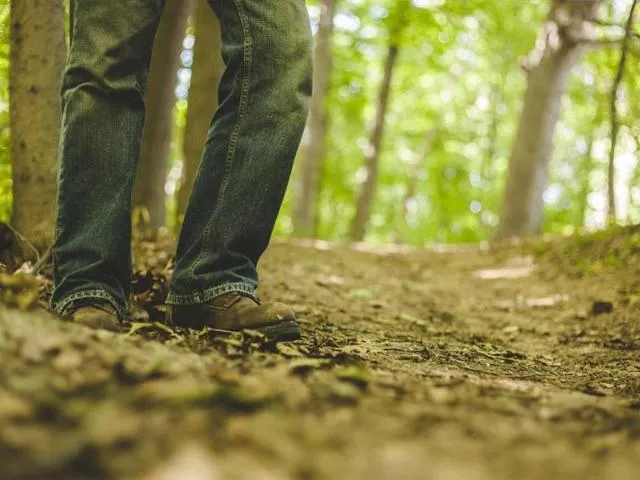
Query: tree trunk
372,152
615,124
562,40
149,194
307,184
203,100
37,60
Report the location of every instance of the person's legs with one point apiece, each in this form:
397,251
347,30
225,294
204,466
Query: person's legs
249,150
103,115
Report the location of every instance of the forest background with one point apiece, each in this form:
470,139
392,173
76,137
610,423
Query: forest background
431,121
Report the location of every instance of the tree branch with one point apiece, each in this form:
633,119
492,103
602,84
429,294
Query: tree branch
605,42
605,23
602,42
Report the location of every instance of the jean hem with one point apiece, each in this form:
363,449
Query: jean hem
204,296
61,305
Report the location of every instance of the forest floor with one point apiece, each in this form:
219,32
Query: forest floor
448,363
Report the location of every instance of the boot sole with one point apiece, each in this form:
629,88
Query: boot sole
286,331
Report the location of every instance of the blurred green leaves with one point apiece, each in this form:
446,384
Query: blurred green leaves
458,74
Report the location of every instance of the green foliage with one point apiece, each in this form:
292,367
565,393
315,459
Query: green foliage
458,75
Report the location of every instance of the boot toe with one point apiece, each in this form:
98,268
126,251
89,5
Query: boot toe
97,318
279,312
99,322
235,312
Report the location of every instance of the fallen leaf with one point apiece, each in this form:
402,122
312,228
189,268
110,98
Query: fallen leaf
245,397
288,350
345,393
137,326
358,375
27,299
305,365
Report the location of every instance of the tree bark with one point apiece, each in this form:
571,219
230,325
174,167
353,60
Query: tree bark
309,170
615,125
203,100
372,152
149,193
564,37
37,61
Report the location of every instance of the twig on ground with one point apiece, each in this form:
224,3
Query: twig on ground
24,240
43,260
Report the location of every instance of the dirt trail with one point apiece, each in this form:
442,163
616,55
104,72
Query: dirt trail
457,364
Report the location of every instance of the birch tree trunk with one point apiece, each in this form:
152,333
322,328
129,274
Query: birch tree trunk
309,169
562,40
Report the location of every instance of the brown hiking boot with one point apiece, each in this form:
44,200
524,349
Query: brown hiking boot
236,311
99,316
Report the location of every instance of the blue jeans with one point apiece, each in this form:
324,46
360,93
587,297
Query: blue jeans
245,167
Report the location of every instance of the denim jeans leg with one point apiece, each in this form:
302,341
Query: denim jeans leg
249,149
103,115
